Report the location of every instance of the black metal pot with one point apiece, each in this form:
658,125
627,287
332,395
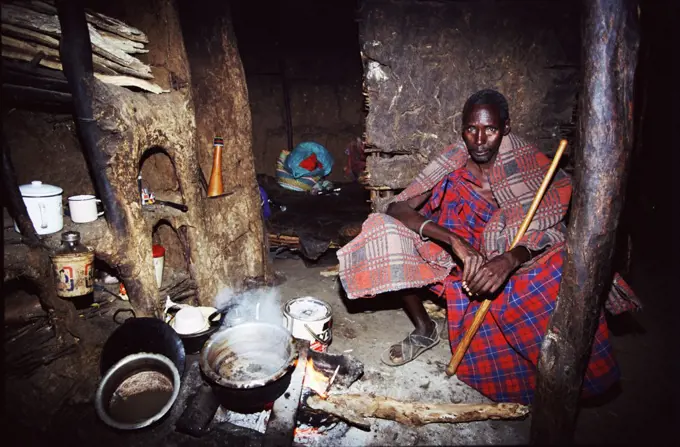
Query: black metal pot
249,365
194,342
149,335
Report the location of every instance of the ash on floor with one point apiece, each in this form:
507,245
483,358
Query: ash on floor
365,328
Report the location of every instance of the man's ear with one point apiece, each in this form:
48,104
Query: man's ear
506,127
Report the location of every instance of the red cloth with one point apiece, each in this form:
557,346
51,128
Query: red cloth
501,360
311,163
388,256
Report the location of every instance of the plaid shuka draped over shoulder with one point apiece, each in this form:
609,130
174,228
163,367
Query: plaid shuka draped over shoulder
515,177
388,256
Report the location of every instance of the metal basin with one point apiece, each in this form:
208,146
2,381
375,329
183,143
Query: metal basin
249,365
137,391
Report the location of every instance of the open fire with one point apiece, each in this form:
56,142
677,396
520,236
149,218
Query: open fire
316,380
321,372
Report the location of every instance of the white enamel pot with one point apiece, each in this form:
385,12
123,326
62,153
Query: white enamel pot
44,206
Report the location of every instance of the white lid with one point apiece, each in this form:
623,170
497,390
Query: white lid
38,189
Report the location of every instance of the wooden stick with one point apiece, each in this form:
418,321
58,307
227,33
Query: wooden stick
355,408
484,308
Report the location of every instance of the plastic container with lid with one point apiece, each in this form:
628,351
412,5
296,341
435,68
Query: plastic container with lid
158,263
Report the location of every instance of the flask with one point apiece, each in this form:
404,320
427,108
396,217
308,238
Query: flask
73,265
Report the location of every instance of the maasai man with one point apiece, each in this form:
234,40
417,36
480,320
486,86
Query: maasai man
470,202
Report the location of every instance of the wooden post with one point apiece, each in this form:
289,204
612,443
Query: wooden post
610,44
15,203
75,52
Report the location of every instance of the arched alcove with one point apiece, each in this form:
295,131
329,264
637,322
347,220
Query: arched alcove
159,175
176,267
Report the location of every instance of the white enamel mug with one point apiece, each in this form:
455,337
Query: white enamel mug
83,208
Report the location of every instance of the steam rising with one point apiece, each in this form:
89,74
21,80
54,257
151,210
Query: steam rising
263,304
251,352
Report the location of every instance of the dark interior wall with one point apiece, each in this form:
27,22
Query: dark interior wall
422,60
649,207
45,147
315,43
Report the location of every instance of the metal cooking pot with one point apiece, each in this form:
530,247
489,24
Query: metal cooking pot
143,335
137,391
249,365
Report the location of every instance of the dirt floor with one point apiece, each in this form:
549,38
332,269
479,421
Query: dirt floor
639,412
55,403
367,327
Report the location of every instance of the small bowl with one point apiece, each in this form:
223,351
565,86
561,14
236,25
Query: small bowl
189,320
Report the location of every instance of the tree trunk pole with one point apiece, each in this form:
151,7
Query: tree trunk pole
75,52
15,203
610,41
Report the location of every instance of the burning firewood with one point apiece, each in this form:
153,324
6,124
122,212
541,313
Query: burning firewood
355,408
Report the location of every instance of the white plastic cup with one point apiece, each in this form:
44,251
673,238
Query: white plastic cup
158,263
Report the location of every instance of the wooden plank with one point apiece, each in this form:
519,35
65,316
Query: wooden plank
124,44
49,24
610,41
101,21
27,34
131,81
115,26
101,65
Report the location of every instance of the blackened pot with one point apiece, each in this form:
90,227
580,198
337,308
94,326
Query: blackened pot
249,365
194,342
137,335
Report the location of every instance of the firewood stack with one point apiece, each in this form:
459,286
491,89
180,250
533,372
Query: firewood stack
32,70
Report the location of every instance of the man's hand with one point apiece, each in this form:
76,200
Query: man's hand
491,276
472,259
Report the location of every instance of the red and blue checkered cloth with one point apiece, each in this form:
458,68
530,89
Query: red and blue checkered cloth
388,256
501,360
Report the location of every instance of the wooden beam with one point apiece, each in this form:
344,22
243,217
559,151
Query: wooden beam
610,37
23,93
76,58
14,201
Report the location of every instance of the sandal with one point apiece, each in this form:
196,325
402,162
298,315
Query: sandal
411,347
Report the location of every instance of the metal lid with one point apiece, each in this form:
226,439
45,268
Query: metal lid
37,189
70,236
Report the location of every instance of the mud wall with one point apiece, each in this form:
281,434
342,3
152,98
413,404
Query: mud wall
422,60
314,45
169,136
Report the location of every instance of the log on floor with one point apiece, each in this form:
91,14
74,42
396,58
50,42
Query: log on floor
355,408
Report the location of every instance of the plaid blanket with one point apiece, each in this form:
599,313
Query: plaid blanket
388,256
501,360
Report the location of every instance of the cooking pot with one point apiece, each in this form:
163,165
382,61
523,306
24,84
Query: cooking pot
249,365
139,390
44,206
146,334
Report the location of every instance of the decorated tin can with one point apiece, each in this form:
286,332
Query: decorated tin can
309,318
73,265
